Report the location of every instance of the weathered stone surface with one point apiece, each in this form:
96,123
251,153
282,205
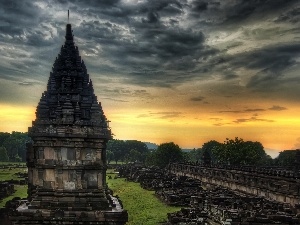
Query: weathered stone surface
66,159
208,203
276,184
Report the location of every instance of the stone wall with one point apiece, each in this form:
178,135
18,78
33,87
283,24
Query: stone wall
210,204
274,184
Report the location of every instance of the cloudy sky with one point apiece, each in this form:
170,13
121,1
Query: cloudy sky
187,71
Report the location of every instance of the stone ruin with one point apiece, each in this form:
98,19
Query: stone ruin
6,189
273,183
67,156
210,204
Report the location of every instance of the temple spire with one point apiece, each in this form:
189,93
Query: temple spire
69,35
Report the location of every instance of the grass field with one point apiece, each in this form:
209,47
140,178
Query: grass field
21,191
13,163
8,174
143,207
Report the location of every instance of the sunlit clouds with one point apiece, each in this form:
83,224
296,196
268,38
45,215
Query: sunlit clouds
185,71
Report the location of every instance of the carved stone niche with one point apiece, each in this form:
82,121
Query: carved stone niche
69,185
78,178
68,154
77,154
98,154
69,180
59,179
40,153
49,153
89,155
41,177
91,179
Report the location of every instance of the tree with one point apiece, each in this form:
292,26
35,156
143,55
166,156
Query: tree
167,153
15,144
286,158
127,150
109,156
213,148
238,152
137,150
3,155
135,155
150,159
17,158
117,148
3,137
193,155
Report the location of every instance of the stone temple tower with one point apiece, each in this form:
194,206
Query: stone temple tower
66,159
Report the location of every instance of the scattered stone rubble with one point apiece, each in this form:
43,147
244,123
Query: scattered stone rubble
210,204
274,183
6,189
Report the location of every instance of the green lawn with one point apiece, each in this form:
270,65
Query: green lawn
21,191
143,207
13,163
8,174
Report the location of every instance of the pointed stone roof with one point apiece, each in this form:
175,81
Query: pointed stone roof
69,98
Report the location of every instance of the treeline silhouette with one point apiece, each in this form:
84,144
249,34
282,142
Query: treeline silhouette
13,146
232,151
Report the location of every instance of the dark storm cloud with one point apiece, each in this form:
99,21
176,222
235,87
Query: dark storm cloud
97,3
292,16
103,33
161,43
199,6
15,16
270,61
37,38
85,3
162,49
220,12
152,17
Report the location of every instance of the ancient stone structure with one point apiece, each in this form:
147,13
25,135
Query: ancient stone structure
211,204
66,159
277,184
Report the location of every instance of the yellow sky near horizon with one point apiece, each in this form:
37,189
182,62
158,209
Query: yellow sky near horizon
187,129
